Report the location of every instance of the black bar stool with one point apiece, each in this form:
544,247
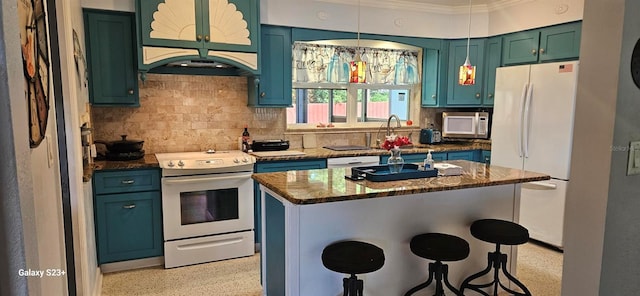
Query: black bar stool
439,247
352,257
499,232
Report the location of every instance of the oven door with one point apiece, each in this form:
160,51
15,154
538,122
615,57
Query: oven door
206,204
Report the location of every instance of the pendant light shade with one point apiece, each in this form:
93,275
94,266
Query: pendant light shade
358,67
467,74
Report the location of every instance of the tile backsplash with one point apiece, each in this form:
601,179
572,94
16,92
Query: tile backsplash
195,113
188,113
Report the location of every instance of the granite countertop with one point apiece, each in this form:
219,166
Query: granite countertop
329,185
416,148
148,161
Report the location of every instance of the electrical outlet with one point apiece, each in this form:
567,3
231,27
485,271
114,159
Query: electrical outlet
633,167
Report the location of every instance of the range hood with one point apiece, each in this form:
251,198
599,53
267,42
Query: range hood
165,60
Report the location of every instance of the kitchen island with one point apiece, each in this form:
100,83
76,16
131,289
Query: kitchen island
304,211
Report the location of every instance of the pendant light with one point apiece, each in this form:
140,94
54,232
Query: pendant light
358,66
467,71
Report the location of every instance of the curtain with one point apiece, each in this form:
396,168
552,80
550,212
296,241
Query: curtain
330,64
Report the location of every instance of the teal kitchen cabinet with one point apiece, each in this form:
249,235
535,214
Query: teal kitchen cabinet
485,156
430,78
200,24
220,31
439,156
555,43
110,45
128,214
408,158
462,155
492,60
465,95
273,87
278,166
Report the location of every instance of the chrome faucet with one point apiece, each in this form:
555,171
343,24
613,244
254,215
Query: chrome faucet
389,123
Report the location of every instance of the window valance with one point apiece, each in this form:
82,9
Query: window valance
316,63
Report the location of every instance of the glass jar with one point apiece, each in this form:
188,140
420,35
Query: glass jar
395,162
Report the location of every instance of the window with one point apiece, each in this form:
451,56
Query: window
322,93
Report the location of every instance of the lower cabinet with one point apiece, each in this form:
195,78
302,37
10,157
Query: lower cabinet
129,222
278,166
408,158
485,156
462,155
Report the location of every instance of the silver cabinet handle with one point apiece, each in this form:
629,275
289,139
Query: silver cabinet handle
198,37
130,91
533,52
490,95
478,95
128,182
263,94
128,207
542,51
207,38
433,96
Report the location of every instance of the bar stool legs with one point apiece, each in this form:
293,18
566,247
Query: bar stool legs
352,286
497,262
438,247
439,272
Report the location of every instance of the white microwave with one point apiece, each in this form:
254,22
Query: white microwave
470,125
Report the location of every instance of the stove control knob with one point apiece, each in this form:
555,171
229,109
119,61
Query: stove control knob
180,163
245,160
171,164
235,160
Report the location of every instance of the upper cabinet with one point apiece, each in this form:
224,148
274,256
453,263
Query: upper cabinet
465,95
111,58
430,81
174,30
492,60
273,87
561,42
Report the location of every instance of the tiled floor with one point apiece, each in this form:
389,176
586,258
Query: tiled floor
539,268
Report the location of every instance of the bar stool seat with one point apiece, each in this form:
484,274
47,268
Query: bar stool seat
439,247
352,257
498,232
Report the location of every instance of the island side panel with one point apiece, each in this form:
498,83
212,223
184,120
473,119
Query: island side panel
273,238
390,223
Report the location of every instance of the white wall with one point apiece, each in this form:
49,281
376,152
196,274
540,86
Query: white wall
534,14
88,275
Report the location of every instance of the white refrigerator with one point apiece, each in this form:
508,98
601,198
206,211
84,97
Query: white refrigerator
532,129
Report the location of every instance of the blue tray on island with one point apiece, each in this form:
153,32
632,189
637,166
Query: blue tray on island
381,173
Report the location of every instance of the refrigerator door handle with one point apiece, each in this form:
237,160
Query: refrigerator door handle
523,101
545,185
527,120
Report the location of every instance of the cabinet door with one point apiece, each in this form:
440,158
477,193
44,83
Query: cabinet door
170,23
465,95
274,86
560,42
430,62
111,58
460,155
439,156
230,25
520,48
493,59
128,226
485,156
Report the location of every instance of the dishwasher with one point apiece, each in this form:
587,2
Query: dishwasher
352,161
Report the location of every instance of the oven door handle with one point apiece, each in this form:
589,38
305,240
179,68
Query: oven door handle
208,178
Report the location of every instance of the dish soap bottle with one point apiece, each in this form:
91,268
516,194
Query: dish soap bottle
246,139
428,162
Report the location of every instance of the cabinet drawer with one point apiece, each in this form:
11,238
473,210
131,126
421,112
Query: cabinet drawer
463,155
126,181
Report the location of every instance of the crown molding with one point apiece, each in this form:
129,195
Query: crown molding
415,5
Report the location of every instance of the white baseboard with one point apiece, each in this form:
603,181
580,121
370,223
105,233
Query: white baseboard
132,264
